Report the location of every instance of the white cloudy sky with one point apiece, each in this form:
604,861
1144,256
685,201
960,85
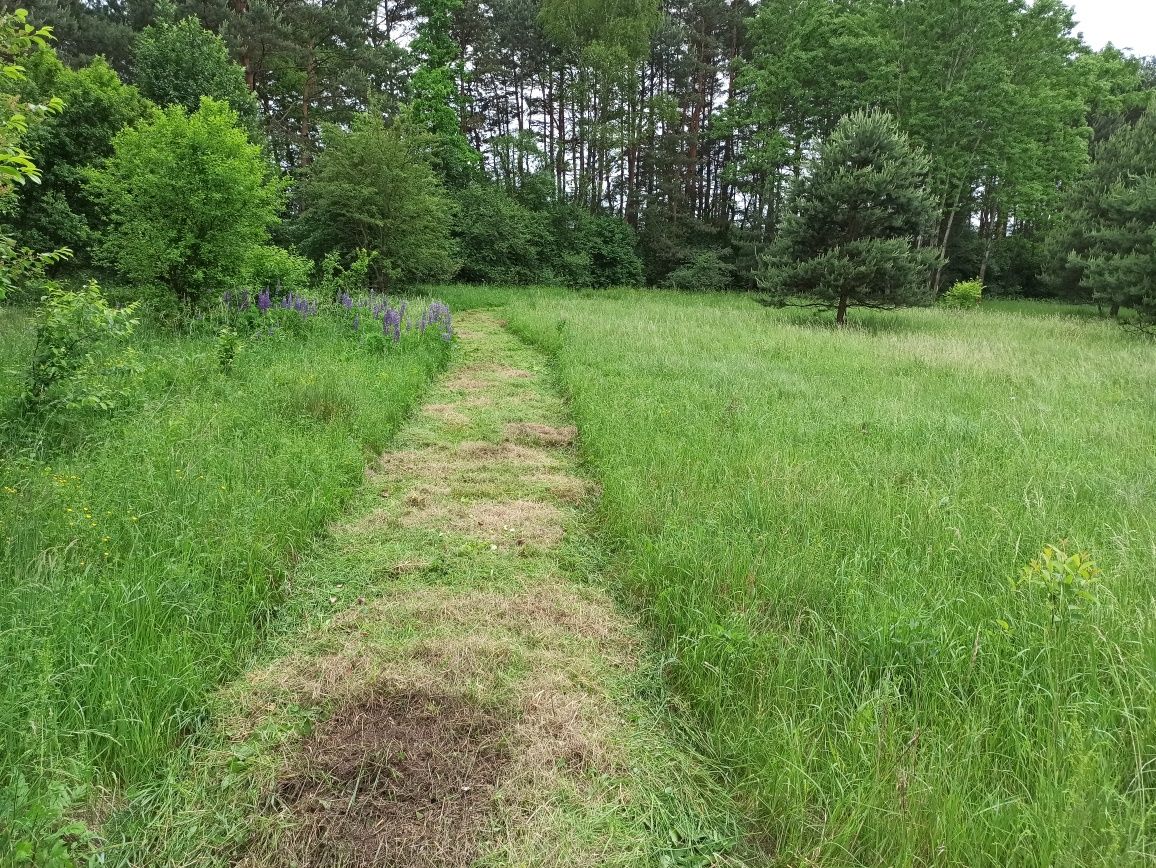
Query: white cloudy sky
1124,23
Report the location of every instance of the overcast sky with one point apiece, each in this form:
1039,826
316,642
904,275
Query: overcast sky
1124,23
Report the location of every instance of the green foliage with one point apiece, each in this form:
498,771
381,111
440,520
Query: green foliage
706,272
963,294
435,100
370,189
19,39
228,346
849,237
352,280
274,267
1068,583
190,202
81,361
59,211
22,269
178,64
1111,232
592,251
500,240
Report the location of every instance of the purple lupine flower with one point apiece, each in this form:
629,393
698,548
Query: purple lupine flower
228,298
357,322
264,301
346,301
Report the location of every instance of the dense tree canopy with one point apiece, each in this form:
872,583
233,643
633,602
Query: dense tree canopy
687,122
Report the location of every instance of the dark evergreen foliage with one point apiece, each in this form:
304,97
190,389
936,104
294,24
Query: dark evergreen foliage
850,236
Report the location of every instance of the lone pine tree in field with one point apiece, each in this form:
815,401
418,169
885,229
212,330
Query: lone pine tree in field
1115,219
850,236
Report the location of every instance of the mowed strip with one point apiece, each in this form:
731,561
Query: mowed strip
457,687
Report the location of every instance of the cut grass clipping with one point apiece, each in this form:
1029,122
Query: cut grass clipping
448,685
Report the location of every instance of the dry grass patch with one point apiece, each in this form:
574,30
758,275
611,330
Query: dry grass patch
505,523
447,414
532,434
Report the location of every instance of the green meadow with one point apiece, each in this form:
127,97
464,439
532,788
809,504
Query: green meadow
897,576
827,532
141,554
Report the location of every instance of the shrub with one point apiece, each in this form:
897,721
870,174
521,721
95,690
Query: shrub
592,251
190,202
501,241
80,360
965,293
345,282
272,266
706,272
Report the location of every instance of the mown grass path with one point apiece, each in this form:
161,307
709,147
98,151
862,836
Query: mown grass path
451,684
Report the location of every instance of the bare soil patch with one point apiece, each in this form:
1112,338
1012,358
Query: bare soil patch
399,779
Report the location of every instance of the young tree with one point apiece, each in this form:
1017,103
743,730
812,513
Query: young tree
1115,221
850,236
371,188
189,199
177,64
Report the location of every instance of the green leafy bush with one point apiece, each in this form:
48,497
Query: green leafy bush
965,293
190,202
80,359
501,241
339,280
706,272
590,251
272,266
371,188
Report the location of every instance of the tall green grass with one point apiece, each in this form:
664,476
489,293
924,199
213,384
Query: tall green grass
825,530
138,567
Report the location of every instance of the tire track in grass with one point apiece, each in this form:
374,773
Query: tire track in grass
452,686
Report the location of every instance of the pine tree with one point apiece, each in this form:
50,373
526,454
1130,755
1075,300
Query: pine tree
850,235
1117,221
435,103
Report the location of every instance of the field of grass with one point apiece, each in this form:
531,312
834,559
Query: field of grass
825,532
139,562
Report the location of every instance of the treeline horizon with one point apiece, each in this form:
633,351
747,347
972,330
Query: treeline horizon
687,122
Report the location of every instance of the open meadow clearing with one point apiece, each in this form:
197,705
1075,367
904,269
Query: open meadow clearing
826,532
575,433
